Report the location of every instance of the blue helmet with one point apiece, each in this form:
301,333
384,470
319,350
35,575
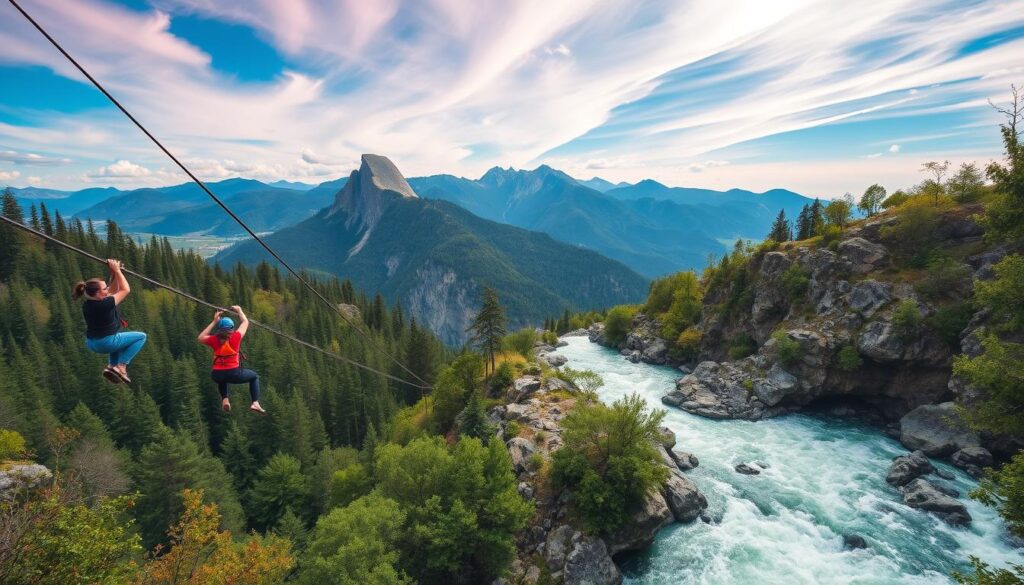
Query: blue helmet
225,323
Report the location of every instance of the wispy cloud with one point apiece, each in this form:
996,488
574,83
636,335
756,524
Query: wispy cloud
9,175
32,159
659,87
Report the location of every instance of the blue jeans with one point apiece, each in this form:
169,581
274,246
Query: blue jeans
120,347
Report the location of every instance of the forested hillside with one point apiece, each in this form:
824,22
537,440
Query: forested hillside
166,431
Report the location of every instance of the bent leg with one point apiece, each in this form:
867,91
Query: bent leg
130,343
253,379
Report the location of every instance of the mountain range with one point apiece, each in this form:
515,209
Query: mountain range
434,256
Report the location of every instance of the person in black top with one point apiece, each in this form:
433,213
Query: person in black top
103,322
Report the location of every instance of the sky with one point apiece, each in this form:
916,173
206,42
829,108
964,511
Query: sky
818,96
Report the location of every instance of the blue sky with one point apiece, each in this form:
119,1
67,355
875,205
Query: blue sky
821,97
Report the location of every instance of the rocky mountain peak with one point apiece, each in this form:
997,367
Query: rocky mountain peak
363,196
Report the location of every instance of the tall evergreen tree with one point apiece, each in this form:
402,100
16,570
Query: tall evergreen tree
488,326
781,231
804,224
817,218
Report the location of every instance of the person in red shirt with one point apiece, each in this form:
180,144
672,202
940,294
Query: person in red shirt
226,342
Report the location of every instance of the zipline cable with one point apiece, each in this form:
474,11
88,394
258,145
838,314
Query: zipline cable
200,301
369,337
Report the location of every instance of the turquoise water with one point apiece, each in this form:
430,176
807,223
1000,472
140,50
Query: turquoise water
826,478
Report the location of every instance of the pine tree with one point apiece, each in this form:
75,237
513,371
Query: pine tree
488,326
420,358
817,218
238,458
803,223
473,421
781,231
279,485
11,240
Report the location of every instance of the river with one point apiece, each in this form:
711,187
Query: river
825,478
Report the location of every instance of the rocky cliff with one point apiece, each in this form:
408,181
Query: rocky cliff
555,547
848,325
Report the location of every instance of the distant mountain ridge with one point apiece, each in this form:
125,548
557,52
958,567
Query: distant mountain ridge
650,227
434,256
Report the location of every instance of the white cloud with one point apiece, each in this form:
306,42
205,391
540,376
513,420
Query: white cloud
32,159
9,175
560,50
33,180
702,166
122,169
873,155
894,148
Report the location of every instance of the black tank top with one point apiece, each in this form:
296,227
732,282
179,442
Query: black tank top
101,318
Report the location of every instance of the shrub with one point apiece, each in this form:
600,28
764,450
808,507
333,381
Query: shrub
906,321
586,380
521,342
949,322
532,369
742,346
787,351
748,385
830,235
1005,293
898,198
536,461
349,484
794,281
912,235
502,377
848,359
944,277
12,444
512,429
549,337
688,344
618,323
610,460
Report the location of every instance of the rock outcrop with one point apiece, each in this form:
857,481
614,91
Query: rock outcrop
937,430
907,468
17,478
924,495
568,553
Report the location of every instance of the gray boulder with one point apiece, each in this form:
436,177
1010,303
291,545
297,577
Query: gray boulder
523,387
879,342
923,495
860,256
668,437
854,541
937,430
973,460
907,468
555,360
16,478
685,461
588,563
639,531
867,296
747,469
655,352
520,450
557,547
683,498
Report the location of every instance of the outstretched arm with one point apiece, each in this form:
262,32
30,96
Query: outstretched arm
243,324
118,288
209,328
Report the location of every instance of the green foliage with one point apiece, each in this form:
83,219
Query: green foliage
512,429
586,380
794,282
462,506
967,185
278,486
787,350
848,359
609,460
12,444
1005,293
1004,217
521,342
488,327
473,421
984,575
830,235
452,387
907,320
618,322
898,197
685,307
912,236
742,345
687,346
944,278
998,374
781,230
357,544
872,199
350,484
62,542
1003,489
837,212
502,377
949,321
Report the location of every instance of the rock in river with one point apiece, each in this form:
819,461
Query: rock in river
907,468
925,496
